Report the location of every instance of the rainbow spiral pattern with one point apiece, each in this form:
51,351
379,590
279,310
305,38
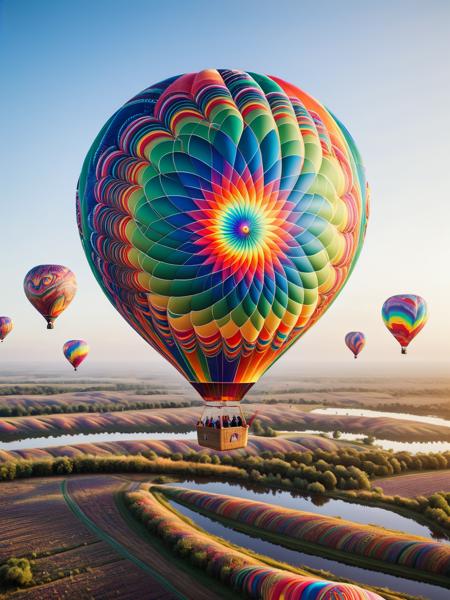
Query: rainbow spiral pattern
352,538
76,351
50,289
248,577
6,326
405,315
355,341
222,212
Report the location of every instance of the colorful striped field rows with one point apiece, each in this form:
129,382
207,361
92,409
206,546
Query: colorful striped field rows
249,577
420,554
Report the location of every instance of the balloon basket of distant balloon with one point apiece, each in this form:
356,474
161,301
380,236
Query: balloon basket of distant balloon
222,427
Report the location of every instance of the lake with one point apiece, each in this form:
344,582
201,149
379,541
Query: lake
360,412
413,447
92,438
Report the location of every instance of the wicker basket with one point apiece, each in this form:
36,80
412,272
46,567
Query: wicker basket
227,438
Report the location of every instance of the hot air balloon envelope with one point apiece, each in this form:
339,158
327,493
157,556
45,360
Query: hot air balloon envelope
222,212
405,316
76,351
50,289
6,326
355,341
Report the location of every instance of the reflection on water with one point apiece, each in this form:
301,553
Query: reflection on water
92,438
361,412
298,559
412,447
333,507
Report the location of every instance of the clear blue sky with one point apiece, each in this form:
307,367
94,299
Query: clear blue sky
382,67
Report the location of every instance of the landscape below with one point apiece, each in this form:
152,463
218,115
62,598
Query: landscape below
96,517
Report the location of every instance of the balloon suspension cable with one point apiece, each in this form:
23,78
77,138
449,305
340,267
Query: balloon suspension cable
252,418
403,350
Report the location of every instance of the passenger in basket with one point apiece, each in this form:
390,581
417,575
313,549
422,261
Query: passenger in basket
233,421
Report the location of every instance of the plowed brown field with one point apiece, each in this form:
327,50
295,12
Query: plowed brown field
416,484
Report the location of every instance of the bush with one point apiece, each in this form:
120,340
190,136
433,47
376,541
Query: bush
369,440
16,572
315,488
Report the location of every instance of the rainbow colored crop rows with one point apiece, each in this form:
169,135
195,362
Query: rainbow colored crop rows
371,542
246,575
222,212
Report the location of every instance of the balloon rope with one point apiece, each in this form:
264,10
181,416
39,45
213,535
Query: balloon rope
252,418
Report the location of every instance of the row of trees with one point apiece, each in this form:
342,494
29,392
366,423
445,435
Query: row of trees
316,471
343,469
65,465
51,390
22,410
373,462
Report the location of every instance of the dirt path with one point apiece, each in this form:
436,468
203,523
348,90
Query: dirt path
93,497
415,484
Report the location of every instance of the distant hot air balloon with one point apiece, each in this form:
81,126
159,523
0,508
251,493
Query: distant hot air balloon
222,212
355,341
76,351
6,326
50,289
404,315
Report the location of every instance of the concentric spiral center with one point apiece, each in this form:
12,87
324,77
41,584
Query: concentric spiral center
241,227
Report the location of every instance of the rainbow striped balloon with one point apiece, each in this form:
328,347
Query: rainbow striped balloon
6,326
355,341
76,351
222,212
404,315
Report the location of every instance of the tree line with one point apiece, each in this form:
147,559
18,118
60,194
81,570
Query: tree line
345,470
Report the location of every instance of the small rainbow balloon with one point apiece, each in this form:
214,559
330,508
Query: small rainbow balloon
76,351
355,341
6,326
404,315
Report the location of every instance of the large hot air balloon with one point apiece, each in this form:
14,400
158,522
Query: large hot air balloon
404,315
75,351
355,341
222,212
50,289
6,326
